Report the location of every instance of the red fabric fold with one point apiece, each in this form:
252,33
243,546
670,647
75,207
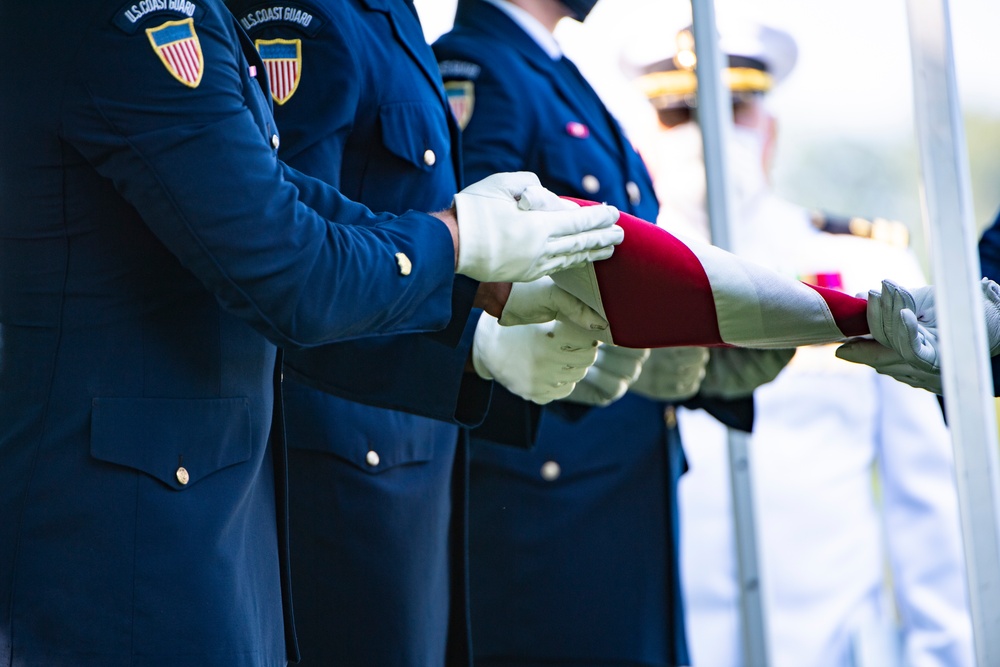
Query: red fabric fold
656,292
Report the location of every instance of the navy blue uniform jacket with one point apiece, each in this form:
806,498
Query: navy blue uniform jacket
378,564
572,554
153,253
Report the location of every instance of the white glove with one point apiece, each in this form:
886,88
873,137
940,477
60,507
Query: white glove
906,322
539,362
734,372
611,375
888,362
672,373
543,301
501,240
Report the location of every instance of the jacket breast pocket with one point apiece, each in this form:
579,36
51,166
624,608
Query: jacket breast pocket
176,441
371,439
416,132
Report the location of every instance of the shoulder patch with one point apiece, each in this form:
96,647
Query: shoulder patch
177,45
462,100
285,14
283,60
130,17
459,69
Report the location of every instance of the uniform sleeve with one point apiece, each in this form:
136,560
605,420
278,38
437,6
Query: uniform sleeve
422,374
922,527
416,374
198,163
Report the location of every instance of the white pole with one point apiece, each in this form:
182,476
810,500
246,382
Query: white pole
715,116
947,208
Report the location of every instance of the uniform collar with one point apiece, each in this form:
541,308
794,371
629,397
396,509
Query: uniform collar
532,26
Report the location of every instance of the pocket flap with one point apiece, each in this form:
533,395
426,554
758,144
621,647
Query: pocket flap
177,441
409,132
371,439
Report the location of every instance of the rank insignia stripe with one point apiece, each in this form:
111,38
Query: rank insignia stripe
283,60
462,100
176,43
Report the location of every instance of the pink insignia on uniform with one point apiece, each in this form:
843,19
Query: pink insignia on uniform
253,71
832,280
578,130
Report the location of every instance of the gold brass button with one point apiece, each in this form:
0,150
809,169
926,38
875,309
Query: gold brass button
405,265
182,476
551,471
275,141
633,192
670,416
429,157
372,458
591,184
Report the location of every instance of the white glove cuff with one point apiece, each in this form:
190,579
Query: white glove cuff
474,237
483,338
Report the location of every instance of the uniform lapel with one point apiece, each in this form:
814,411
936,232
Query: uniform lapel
408,32
580,88
486,18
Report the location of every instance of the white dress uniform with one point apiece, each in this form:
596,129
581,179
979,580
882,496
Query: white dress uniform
853,479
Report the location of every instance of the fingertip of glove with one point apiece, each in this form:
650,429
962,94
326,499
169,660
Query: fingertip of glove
991,289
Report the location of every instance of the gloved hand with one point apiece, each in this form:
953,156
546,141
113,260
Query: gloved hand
538,362
543,301
672,373
734,372
610,377
906,322
889,362
501,240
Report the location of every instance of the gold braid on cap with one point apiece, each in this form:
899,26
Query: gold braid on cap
682,82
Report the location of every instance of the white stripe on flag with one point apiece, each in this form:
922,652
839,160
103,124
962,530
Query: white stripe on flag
758,308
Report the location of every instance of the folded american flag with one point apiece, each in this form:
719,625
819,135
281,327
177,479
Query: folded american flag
659,291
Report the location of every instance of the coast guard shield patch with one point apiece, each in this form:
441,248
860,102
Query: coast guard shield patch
461,99
177,45
283,59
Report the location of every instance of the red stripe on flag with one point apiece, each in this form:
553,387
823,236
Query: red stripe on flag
849,312
656,293
650,302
